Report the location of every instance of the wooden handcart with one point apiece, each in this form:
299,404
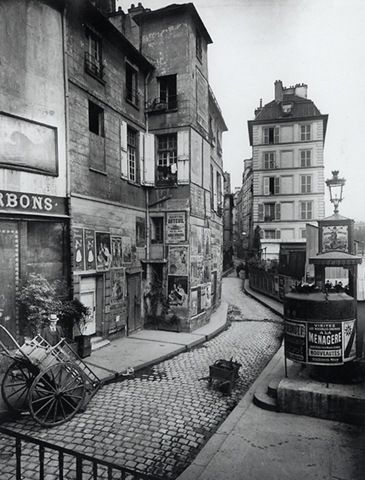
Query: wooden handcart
224,374
53,383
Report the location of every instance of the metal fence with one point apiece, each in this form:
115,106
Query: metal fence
271,284
53,461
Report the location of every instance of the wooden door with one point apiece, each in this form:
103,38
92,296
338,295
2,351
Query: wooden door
134,302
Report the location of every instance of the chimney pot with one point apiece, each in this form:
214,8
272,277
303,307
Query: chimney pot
279,93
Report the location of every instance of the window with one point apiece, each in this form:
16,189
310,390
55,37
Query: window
131,83
96,119
199,48
93,58
157,228
303,232
306,183
306,212
212,190
132,155
167,159
269,160
268,212
271,234
305,132
219,194
168,94
271,135
305,158
271,185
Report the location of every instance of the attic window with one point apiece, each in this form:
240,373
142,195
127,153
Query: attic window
287,108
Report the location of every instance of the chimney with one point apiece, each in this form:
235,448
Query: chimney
135,10
279,93
301,90
258,109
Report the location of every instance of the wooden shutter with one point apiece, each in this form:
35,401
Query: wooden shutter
183,156
140,176
277,185
277,211
149,159
123,149
266,185
261,212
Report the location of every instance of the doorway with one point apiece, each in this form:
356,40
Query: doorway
88,298
134,302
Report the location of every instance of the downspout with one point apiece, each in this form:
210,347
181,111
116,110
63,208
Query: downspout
67,171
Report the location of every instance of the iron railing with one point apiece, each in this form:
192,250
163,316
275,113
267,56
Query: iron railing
84,467
163,104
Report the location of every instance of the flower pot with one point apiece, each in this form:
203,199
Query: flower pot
84,346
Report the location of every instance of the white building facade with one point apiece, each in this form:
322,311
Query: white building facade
287,139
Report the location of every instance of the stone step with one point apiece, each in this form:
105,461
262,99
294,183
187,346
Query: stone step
272,388
263,400
99,342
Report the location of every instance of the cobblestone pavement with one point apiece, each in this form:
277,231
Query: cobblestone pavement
159,420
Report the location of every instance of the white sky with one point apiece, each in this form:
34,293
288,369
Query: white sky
317,42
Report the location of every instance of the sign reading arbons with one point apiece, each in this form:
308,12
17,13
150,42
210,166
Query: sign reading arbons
31,203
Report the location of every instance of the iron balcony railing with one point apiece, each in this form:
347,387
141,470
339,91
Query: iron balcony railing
83,466
162,104
94,66
132,96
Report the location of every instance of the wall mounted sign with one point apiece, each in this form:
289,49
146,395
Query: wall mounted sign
175,227
335,237
20,202
89,243
117,259
178,263
103,255
78,249
320,343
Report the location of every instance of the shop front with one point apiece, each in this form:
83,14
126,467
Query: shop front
33,240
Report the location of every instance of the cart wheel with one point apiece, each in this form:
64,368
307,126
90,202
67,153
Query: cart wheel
16,384
57,394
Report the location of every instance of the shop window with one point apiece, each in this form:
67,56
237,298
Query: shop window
166,159
157,229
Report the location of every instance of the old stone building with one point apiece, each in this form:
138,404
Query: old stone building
287,138
111,161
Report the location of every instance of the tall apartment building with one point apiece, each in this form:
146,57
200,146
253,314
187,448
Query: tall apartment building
287,138
110,160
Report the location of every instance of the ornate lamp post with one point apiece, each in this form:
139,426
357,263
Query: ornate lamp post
335,186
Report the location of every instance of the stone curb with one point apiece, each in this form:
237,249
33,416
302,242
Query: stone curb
252,295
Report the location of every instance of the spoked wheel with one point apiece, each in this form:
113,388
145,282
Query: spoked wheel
16,384
57,394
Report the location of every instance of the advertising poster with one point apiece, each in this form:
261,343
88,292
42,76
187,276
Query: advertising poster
335,237
349,340
295,340
197,201
324,342
207,242
178,264
196,270
194,301
117,286
78,249
140,232
197,239
127,249
206,271
89,243
103,252
178,288
175,227
203,299
215,256
117,259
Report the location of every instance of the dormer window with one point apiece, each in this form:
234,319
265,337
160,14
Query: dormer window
287,108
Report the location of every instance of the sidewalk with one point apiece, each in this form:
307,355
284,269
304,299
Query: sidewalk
259,444
148,347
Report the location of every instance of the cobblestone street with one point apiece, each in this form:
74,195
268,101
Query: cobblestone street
157,421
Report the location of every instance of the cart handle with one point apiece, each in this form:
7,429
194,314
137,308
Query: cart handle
5,348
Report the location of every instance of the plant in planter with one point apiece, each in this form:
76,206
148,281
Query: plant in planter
37,300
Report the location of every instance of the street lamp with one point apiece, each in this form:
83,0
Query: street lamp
335,186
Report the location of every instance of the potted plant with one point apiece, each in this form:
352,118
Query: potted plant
72,316
37,300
